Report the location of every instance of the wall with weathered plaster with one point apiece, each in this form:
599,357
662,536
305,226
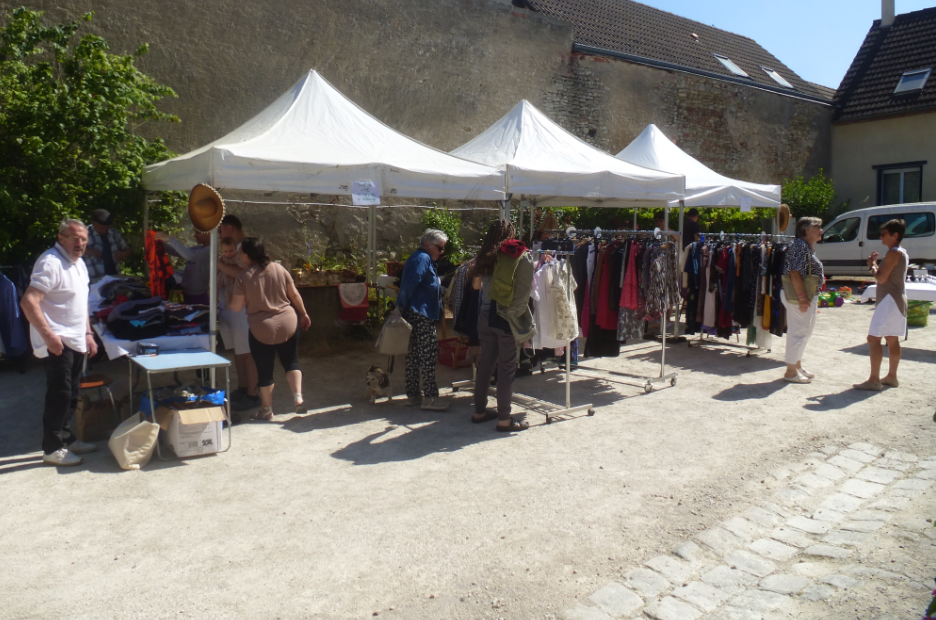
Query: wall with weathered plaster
739,131
856,147
440,71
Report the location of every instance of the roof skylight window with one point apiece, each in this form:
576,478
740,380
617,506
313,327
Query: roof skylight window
912,80
777,77
730,65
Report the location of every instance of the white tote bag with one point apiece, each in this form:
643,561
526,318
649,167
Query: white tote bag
395,334
132,442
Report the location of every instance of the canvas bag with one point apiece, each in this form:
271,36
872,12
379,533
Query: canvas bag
810,284
395,334
132,442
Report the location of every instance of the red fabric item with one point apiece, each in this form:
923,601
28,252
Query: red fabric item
604,318
355,313
629,298
513,248
159,267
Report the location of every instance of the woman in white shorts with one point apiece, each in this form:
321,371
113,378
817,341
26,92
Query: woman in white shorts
890,312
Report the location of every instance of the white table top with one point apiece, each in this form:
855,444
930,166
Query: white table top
916,291
184,359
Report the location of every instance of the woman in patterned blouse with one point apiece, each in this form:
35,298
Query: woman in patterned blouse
801,261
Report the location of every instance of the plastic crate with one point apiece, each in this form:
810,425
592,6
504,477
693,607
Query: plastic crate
453,353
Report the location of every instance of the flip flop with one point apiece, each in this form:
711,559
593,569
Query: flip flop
489,414
798,378
515,426
806,373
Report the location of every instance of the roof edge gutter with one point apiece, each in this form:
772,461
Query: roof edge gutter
659,64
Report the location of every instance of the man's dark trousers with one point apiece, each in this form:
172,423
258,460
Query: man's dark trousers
63,378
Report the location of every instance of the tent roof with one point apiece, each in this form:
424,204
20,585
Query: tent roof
544,160
704,186
314,139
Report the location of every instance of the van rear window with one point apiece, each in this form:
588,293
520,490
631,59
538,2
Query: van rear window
918,224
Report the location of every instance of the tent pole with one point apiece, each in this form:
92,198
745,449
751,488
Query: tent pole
213,301
371,244
679,256
145,228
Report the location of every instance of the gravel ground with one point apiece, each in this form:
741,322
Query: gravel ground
355,510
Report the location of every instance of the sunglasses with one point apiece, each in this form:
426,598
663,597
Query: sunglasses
440,248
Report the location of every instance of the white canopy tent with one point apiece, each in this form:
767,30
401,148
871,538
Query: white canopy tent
544,161
704,187
315,140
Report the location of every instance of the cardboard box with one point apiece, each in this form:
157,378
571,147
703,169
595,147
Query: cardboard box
191,432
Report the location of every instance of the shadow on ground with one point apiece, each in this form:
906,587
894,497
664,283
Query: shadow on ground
906,353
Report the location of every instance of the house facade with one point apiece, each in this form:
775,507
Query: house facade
883,147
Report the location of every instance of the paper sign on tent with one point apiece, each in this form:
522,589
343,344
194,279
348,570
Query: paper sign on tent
745,203
365,193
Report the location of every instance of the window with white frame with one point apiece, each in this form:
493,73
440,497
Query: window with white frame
779,79
900,184
730,65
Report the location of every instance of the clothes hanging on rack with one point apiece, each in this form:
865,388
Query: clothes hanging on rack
13,331
734,285
159,267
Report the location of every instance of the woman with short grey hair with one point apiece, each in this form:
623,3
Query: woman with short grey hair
420,303
801,263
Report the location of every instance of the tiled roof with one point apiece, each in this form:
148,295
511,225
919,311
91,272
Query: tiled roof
867,90
636,29
824,91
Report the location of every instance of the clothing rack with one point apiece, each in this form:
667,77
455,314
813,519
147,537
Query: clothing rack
647,383
703,338
550,410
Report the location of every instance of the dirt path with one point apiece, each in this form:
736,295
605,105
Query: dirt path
355,509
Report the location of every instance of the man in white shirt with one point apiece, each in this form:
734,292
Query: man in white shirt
56,304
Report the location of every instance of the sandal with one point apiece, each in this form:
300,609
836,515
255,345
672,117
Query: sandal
806,373
301,407
489,414
797,378
264,413
515,426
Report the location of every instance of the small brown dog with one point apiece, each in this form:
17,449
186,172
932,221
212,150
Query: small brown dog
378,384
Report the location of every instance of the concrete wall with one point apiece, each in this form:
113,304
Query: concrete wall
440,71
856,147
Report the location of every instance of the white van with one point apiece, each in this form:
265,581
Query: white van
849,239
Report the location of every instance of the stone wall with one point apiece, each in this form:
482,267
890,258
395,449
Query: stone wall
440,71
739,131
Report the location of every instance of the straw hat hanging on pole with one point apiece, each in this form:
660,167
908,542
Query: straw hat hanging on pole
205,207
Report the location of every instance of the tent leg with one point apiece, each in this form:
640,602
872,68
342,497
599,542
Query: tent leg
146,227
213,302
679,257
372,244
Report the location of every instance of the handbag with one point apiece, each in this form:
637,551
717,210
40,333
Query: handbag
394,335
810,284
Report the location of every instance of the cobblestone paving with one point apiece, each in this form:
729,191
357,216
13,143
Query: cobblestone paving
849,536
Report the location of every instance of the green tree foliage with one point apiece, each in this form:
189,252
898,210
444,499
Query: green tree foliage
69,115
811,198
449,223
